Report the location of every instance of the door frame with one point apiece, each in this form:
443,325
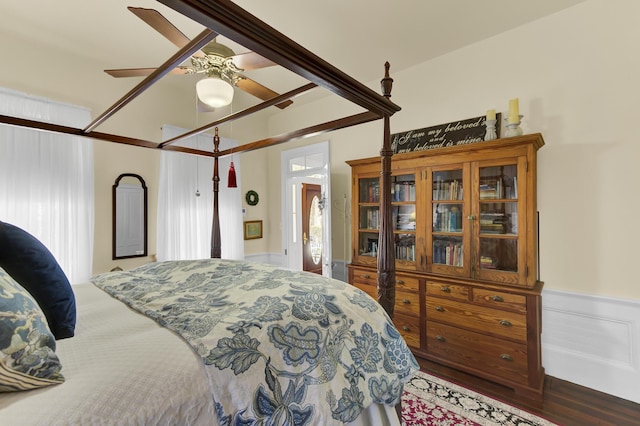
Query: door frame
292,181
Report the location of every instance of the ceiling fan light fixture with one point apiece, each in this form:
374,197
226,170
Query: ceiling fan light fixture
214,91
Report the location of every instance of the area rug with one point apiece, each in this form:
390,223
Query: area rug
428,400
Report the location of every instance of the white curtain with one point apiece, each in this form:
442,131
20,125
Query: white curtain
184,219
46,180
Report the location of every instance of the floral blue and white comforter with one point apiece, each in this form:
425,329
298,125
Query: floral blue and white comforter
279,346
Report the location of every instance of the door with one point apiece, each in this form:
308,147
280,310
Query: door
311,228
309,165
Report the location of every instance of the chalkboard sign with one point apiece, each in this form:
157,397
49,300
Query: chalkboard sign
460,132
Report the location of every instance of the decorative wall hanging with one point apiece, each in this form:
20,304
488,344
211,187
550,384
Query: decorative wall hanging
252,197
252,229
460,132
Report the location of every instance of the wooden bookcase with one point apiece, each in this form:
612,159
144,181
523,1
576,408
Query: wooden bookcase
468,293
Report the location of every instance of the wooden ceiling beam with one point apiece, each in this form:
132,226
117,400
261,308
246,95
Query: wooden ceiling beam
179,57
230,20
328,126
245,112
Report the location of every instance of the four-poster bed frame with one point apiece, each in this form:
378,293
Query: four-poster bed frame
224,17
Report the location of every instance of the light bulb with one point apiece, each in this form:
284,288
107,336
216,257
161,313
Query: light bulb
214,92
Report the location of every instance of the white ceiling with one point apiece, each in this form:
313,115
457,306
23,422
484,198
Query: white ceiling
356,36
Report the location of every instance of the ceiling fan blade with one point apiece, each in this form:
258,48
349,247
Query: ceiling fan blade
259,91
142,72
159,23
251,61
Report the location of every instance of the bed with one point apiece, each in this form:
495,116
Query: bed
218,341
339,361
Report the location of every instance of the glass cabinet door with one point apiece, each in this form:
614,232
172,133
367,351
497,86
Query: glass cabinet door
403,211
497,223
448,245
368,218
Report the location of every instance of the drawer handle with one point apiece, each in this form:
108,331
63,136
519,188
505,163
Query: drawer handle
400,282
505,323
406,301
506,357
497,299
440,338
406,328
439,308
367,276
445,289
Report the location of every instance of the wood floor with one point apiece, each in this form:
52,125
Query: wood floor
564,403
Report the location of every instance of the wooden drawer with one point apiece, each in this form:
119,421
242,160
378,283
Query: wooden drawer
499,299
404,283
451,291
369,289
511,325
407,303
409,328
490,355
365,276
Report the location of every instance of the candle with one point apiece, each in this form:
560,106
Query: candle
514,113
491,114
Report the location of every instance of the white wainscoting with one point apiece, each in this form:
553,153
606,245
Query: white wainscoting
592,341
339,270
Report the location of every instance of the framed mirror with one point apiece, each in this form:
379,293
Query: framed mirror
129,216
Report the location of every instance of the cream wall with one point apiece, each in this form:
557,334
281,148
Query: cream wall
575,77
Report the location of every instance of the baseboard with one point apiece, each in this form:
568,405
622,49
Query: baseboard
592,341
270,258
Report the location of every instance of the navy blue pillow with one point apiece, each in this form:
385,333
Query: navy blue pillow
33,266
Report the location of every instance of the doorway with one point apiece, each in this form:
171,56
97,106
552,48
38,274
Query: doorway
308,165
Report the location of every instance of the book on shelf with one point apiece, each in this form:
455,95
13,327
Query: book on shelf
448,220
373,193
446,190
447,253
487,262
373,219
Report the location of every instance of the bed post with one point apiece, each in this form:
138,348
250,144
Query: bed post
216,251
386,252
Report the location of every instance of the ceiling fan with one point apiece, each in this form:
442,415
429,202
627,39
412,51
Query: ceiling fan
223,67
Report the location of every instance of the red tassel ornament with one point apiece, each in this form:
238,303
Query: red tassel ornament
232,177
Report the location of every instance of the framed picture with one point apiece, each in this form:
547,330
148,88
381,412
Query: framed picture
252,229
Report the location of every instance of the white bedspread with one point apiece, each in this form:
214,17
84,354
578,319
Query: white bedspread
122,368
164,381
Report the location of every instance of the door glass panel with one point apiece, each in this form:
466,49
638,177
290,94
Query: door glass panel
447,217
315,230
370,190
447,185
499,182
499,218
403,188
369,217
404,217
368,243
448,250
499,254
405,247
